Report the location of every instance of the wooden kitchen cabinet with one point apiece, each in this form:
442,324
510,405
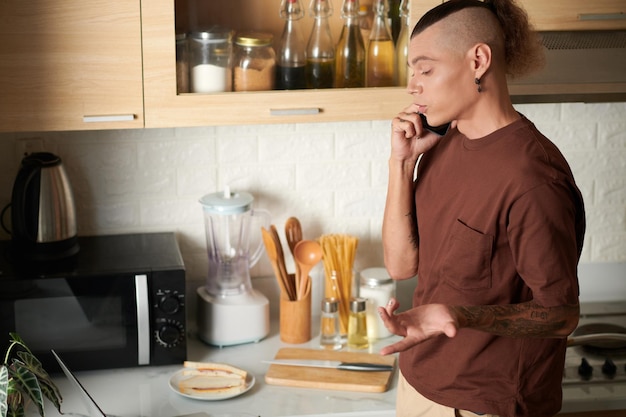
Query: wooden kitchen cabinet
161,19
66,63
576,14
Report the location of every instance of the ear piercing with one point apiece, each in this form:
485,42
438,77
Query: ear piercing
477,82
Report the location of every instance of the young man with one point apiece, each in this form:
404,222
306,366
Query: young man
492,224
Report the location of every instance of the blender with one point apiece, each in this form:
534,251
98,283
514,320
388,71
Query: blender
230,311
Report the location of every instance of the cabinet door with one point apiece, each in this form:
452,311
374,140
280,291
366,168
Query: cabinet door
69,64
576,14
165,108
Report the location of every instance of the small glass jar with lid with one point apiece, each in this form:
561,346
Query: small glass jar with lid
254,65
182,63
210,60
377,287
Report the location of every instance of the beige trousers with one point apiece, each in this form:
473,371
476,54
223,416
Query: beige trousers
411,403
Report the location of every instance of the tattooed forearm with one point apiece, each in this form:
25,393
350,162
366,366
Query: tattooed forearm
519,320
413,234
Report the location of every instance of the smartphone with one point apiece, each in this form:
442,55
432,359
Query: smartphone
438,130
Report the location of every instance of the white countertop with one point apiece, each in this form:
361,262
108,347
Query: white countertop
144,391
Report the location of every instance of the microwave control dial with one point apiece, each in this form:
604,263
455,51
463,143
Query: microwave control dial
169,332
169,302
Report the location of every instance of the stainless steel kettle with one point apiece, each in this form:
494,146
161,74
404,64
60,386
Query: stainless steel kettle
43,213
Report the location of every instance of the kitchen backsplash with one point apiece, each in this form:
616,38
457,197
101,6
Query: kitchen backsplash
331,175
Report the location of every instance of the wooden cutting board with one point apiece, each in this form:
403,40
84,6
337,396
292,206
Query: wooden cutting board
326,378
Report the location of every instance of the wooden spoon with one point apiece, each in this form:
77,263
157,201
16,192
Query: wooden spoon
293,232
272,254
280,259
307,254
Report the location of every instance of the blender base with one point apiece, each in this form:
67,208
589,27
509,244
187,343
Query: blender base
232,320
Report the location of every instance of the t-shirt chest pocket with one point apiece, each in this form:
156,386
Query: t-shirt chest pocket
467,265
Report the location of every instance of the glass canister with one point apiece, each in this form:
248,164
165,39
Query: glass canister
377,287
182,63
210,60
254,65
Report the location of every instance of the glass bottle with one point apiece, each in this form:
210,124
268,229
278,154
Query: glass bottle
365,22
350,55
357,324
320,51
330,335
291,51
394,19
402,45
381,55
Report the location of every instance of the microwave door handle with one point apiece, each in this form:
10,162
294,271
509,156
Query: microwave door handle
143,320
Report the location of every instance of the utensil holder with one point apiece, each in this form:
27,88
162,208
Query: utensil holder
295,318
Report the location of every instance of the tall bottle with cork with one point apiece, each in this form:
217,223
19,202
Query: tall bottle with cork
291,50
320,51
350,60
381,55
402,45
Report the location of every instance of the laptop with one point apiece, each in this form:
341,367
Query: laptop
93,409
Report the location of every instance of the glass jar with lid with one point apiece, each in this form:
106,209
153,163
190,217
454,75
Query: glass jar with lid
210,57
377,287
254,66
182,64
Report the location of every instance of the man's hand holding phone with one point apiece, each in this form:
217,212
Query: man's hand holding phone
411,136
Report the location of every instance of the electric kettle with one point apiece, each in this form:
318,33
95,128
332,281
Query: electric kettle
43,214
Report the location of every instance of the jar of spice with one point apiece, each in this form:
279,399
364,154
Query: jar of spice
377,287
210,55
254,66
182,64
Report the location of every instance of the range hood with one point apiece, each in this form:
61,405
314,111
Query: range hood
581,66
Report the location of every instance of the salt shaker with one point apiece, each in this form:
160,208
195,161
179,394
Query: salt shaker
330,336
377,287
357,324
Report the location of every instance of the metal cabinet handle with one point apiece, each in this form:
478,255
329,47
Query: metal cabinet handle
295,112
108,118
602,16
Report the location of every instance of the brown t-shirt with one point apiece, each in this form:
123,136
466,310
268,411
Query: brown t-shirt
500,221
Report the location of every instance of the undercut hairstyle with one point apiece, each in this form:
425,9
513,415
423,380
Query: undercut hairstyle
501,24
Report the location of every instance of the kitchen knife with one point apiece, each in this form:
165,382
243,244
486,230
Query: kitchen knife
344,366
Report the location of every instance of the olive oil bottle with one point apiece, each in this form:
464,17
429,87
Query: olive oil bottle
350,60
381,56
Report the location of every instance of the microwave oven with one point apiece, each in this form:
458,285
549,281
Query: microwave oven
119,302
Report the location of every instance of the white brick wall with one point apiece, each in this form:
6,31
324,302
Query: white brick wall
331,175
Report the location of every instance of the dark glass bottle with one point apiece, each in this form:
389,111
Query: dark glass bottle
320,51
291,51
381,57
350,55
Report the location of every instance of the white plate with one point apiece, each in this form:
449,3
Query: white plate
178,376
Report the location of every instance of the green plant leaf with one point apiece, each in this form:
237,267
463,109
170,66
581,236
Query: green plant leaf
15,400
52,394
26,382
4,387
48,387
